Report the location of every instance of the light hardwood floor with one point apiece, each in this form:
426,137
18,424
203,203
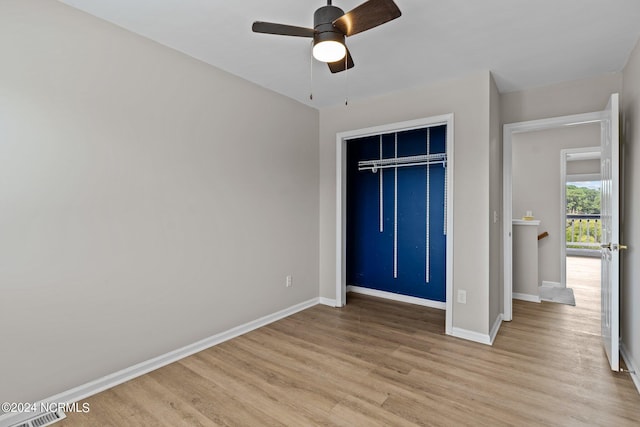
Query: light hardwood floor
377,362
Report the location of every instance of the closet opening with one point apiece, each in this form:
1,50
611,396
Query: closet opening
394,213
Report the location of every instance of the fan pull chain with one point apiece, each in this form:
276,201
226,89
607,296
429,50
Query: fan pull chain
311,68
346,78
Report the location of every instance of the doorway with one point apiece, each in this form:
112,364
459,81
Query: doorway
580,187
610,214
342,140
539,199
553,220
396,232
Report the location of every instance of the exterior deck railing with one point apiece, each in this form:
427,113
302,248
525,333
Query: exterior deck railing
583,231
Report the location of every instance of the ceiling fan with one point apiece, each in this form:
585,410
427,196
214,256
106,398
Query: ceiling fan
330,27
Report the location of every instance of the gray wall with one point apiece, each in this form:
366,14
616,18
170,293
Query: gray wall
468,99
630,283
537,186
147,200
579,96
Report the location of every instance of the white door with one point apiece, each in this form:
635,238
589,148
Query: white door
610,170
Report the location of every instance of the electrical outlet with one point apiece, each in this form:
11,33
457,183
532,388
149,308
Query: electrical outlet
462,297
289,281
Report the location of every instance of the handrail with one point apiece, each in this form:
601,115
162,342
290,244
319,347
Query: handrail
583,231
583,216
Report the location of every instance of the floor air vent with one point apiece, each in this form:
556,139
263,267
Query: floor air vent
42,420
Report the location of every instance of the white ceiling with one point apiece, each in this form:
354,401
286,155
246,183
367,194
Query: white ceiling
526,43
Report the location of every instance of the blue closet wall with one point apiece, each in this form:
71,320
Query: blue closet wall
370,253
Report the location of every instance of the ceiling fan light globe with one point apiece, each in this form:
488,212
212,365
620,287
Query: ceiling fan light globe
329,51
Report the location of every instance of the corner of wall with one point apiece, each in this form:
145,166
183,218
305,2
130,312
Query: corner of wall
495,196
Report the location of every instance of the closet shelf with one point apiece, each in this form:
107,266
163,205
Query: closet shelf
399,162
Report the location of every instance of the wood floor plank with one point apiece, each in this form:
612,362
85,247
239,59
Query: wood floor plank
265,402
162,402
383,363
314,366
355,412
210,399
263,387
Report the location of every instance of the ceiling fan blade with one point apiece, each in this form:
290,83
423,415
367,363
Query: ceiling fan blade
281,29
368,15
338,66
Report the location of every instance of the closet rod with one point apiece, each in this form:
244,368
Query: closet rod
375,168
397,162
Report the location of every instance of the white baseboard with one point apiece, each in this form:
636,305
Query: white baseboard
478,337
397,297
526,297
495,328
96,386
551,284
471,336
327,301
631,365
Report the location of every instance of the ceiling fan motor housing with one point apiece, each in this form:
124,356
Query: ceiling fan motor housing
323,25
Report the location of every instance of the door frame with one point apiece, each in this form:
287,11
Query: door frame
507,196
583,153
342,138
